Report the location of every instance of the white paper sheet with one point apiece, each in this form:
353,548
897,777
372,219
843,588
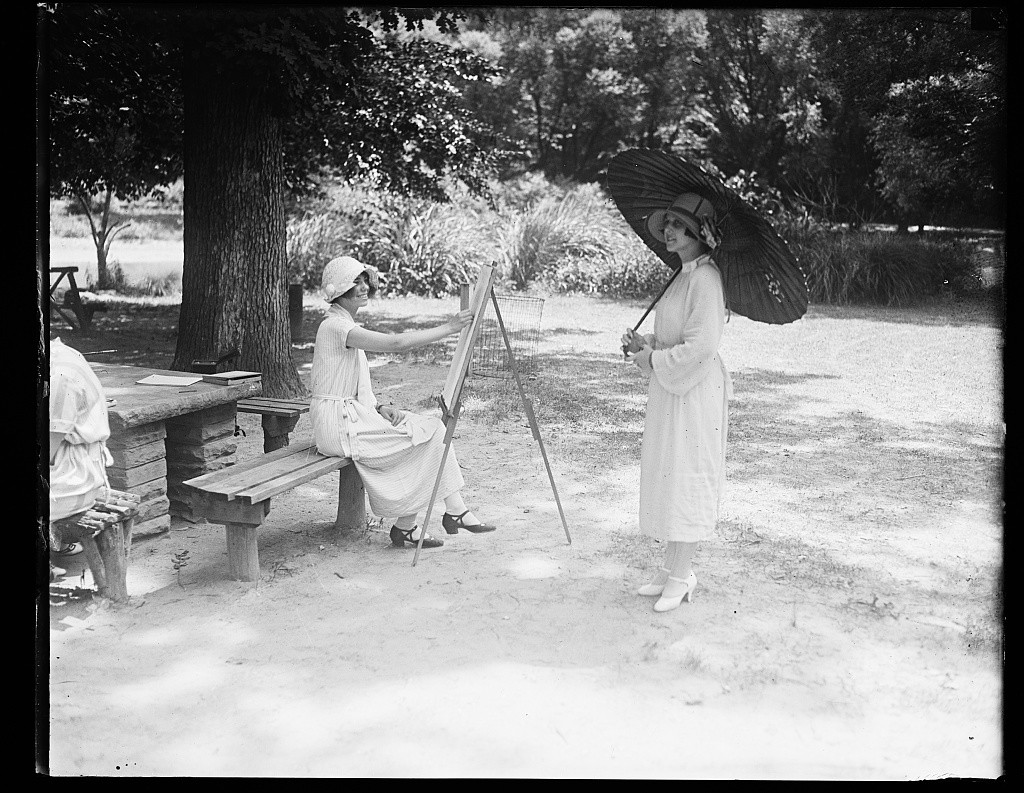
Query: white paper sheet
164,379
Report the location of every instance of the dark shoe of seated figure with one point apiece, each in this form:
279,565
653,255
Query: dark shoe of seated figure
399,537
69,549
452,524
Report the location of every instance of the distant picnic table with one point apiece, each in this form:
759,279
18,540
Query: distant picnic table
81,310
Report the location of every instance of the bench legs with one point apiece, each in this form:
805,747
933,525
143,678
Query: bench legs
107,556
114,547
243,551
351,500
275,431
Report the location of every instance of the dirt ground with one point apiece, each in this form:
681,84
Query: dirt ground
844,626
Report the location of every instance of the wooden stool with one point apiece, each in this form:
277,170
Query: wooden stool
105,531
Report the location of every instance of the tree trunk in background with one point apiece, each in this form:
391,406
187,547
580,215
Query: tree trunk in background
234,279
100,232
102,273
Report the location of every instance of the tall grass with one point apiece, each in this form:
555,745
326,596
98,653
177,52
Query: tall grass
425,250
576,243
881,268
419,247
313,240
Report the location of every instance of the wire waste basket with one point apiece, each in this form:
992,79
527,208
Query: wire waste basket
521,317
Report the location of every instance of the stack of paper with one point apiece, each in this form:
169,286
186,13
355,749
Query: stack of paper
167,379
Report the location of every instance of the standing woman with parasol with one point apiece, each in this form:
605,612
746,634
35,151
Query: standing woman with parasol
725,256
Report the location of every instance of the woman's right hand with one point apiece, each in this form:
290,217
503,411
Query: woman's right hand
632,342
460,320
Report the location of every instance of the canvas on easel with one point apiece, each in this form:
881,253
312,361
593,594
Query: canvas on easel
467,340
452,395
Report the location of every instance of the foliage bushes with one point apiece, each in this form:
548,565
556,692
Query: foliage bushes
419,247
538,234
570,238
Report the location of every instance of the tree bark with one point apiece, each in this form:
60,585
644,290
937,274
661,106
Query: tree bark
234,279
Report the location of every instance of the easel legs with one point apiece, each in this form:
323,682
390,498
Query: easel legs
452,418
449,431
528,407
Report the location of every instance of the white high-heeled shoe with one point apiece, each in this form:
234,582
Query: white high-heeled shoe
653,590
667,604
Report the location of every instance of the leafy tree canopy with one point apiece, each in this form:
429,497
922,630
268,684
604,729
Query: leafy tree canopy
355,96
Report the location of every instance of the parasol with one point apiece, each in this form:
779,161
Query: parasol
761,276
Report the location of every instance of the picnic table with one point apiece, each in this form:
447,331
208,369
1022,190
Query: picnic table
82,310
161,435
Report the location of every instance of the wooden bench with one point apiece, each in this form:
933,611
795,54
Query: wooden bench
279,418
105,532
82,310
239,498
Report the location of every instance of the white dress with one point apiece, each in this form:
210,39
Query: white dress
398,464
682,461
78,412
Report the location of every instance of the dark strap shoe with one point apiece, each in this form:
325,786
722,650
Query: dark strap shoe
452,524
399,537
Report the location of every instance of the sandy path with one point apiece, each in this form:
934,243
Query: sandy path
821,643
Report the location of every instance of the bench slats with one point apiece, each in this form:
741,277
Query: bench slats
206,481
268,475
258,479
270,410
318,467
299,404
273,407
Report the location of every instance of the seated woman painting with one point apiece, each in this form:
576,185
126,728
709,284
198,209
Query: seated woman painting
397,453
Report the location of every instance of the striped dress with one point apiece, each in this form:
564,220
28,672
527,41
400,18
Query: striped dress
78,412
398,464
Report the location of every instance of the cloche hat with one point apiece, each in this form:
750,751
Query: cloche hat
340,275
690,208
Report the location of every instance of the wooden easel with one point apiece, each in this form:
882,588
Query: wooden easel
451,397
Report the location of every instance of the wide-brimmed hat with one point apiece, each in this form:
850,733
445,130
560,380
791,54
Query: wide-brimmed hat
762,279
692,209
340,275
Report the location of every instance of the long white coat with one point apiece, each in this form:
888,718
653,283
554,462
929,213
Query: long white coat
682,461
398,464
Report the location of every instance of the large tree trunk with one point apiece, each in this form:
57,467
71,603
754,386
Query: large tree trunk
234,279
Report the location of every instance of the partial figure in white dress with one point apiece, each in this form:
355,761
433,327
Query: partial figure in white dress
682,460
78,430
397,453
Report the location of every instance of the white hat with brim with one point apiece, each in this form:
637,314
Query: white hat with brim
689,208
340,275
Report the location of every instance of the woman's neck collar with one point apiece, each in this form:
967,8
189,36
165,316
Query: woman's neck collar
691,264
345,309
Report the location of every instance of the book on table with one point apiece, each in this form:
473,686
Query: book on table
231,378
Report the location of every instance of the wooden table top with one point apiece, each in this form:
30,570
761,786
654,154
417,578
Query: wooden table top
143,404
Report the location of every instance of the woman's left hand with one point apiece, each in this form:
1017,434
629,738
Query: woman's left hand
460,320
643,360
394,415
